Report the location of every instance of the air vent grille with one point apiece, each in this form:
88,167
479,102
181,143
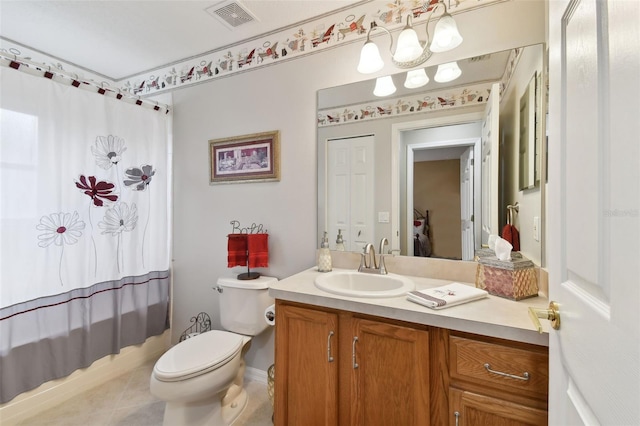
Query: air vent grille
232,14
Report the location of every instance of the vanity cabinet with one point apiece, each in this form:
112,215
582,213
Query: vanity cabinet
497,382
389,374
335,367
306,383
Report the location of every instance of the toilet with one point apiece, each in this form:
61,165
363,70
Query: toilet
201,378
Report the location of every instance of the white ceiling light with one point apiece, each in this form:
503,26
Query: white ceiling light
384,86
409,47
370,59
409,51
416,78
446,36
447,72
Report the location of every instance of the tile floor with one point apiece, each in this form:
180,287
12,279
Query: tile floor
126,401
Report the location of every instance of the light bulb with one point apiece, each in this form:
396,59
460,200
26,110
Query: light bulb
408,47
370,59
416,78
384,86
446,35
447,72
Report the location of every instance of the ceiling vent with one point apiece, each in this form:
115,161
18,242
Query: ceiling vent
231,13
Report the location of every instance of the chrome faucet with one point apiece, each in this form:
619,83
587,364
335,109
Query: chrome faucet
368,261
383,268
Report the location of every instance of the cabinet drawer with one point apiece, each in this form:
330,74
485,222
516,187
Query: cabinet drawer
513,369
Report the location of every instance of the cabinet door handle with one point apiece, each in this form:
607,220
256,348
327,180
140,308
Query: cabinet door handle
457,416
353,352
329,357
525,375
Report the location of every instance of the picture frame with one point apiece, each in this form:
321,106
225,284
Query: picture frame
246,158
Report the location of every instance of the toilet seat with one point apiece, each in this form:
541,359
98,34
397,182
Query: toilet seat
198,355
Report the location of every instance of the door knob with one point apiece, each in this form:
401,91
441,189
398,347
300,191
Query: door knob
552,314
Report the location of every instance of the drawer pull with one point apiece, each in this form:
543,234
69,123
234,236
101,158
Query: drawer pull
457,416
329,357
353,352
525,375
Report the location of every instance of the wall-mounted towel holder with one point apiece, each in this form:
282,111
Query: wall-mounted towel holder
510,209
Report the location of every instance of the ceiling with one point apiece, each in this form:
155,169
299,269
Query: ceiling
119,39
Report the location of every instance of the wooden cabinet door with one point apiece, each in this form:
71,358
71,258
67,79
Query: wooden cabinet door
472,409
389,374
306,382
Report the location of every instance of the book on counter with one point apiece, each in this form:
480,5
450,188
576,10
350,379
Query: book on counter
447,295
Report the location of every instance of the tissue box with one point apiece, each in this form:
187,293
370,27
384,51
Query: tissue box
513,279
487,252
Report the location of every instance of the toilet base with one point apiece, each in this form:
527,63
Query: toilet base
207,412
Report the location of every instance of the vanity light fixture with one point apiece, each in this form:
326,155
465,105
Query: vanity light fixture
409,51
447,72
384,86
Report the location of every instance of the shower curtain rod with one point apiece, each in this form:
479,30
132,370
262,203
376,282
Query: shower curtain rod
42,70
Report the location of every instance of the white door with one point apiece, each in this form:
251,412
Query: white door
466,204
490,142
593,239
350,191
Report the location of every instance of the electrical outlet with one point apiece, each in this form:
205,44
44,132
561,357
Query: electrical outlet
536,228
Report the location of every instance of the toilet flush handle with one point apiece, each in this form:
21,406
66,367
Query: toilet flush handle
218,289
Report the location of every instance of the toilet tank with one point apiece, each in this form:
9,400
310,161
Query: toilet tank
243,303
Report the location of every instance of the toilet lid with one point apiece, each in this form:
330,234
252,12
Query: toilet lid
197,355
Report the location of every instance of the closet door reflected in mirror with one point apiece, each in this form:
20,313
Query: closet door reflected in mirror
350,191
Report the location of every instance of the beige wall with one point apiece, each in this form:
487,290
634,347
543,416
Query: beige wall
436,188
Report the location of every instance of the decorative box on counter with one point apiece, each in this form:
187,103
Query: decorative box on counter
487,252
513,279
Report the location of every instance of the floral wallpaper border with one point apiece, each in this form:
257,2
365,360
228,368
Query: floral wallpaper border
323,33
476,94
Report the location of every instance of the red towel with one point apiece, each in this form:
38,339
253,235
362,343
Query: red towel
511,234
237,250
258,247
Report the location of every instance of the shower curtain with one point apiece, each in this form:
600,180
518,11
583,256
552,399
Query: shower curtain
84,227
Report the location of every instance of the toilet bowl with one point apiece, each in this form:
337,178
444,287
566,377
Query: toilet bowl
201,378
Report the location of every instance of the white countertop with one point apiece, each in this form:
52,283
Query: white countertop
492,316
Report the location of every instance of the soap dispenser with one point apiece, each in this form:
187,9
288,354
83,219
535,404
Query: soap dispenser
324,255
339,241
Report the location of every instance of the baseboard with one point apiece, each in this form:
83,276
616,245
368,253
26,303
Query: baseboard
54,392
255,375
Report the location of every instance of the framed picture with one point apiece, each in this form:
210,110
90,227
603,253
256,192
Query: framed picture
248,158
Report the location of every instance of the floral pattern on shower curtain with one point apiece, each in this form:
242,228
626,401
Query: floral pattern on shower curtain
84,225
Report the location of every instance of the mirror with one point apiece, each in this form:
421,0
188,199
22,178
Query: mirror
381,158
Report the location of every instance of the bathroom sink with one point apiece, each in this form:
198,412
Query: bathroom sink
359,284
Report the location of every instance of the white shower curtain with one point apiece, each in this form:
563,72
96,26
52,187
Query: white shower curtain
84,226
